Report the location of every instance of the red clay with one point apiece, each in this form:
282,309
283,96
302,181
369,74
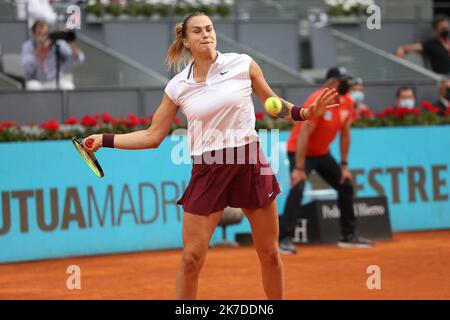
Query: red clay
413,266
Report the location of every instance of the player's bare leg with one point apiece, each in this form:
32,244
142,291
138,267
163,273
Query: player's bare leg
264,224
197,231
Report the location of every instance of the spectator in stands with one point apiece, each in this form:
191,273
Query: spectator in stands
356,90
39,59
436,49
406,97
444,96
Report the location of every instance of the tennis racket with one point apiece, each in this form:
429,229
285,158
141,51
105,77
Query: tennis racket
87,156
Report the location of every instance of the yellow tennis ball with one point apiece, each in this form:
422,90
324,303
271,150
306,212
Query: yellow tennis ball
273,105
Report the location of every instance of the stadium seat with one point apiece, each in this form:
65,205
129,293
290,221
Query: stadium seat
12,67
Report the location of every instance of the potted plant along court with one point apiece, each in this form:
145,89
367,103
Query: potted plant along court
347,11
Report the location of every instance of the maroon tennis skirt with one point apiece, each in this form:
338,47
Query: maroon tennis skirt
238,177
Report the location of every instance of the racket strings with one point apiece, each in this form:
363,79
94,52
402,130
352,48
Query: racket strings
88,157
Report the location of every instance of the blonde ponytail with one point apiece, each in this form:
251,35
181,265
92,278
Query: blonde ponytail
177,53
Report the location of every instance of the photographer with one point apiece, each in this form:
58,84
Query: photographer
39,58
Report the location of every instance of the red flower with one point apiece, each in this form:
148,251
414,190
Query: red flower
366,113
51,125
404,109
131,121
447,112
401,111
415,111
143,121
426,104
150,117
72,120
7,124
259,116
107,118
389,111
88,121
432,109
381,115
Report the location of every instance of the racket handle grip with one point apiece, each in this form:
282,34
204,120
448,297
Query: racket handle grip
89,143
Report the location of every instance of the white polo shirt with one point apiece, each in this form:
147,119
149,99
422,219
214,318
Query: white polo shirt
219,111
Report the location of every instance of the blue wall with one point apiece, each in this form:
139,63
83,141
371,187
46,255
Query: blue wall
411,166
141,179
139,190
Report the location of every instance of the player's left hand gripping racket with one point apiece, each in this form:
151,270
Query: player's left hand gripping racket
87,156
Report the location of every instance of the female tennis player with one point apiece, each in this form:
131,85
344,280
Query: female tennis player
214,92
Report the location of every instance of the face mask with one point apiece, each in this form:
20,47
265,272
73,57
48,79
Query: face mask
444,34
409,103
358,96
343,87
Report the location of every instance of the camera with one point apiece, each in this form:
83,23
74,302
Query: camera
68,36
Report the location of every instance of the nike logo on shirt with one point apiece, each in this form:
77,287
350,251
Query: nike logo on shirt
222,73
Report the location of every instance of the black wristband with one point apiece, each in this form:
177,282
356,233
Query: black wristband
296,113
299,168
108,140
344,163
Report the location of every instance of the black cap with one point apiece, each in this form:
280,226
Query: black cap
338,73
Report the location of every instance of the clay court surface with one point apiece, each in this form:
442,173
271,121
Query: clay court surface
414,265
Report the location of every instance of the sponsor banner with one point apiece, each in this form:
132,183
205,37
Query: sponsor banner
51,205
319,220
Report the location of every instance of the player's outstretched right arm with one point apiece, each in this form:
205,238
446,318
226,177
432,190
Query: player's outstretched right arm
263,91
143,139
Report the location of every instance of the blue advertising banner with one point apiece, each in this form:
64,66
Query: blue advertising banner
52,205
410,166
